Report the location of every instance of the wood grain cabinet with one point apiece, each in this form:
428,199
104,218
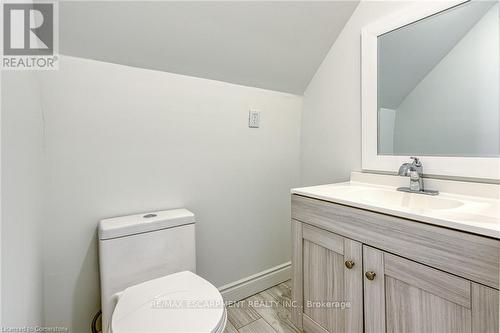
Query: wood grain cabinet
331,273
343,283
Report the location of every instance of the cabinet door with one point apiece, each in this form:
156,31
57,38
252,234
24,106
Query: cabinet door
404,296
332,282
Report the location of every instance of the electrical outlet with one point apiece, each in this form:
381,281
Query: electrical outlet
253,119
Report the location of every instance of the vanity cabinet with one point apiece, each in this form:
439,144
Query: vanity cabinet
331,274
362,271
405,296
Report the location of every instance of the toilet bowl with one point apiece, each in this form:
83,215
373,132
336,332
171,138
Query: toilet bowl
148,283
180,302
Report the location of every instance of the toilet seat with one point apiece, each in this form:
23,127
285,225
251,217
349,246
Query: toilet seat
180,302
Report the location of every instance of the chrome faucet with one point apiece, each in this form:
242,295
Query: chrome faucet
415,171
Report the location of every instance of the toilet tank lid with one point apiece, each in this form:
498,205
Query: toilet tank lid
145,222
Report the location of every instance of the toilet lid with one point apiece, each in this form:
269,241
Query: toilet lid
180,302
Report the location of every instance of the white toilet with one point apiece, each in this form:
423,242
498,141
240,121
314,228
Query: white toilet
147,264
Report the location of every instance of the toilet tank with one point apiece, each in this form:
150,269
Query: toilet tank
138,248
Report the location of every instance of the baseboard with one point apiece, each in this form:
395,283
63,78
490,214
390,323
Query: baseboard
254,284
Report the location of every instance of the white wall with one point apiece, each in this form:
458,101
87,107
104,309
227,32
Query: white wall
457,102
1,298
22,204
123,140
331,116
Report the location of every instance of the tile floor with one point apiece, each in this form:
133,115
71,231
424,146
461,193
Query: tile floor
265,312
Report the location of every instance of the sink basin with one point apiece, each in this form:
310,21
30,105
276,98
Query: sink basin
410,201
470,207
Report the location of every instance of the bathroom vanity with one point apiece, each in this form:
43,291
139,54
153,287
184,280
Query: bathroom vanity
367,258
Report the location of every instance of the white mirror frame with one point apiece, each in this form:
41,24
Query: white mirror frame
464,167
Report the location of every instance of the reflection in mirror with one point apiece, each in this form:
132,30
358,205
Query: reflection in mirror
438,84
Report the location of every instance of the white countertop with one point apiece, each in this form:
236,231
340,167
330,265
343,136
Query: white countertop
454,207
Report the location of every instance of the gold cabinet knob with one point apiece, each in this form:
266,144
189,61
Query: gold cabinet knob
349,264
370,275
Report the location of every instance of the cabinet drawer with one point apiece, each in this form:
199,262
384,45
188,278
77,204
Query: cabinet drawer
473,257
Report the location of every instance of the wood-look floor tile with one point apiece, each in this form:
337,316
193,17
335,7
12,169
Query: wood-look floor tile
283,294
272,312
258,326
230,328
241,314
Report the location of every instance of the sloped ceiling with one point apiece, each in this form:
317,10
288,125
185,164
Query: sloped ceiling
408,54
271,45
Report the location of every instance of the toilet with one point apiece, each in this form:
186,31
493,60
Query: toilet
148,276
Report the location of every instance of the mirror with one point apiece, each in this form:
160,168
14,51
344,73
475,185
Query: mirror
438,84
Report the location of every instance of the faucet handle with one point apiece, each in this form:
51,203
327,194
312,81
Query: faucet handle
416,161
